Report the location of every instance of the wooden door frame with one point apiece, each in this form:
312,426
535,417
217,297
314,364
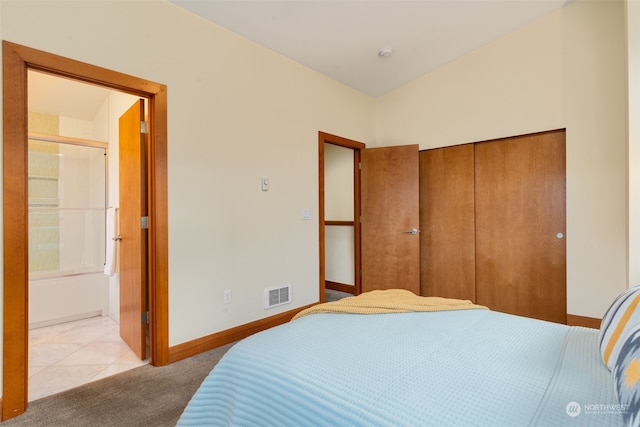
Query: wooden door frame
17,60
326,138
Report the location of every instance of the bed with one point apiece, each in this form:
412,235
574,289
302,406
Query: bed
452,366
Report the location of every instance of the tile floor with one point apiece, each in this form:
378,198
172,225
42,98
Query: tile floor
74,353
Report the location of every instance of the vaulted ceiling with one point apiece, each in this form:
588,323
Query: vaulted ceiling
339,38
342,38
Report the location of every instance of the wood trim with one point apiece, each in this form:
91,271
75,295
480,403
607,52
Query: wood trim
321,221
587,322
15,225
347,223
158,230
17,60
357,226
338,140
340,287
209,342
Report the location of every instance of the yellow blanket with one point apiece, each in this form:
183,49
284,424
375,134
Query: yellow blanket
389,301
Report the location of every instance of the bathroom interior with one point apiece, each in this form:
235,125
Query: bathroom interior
73,264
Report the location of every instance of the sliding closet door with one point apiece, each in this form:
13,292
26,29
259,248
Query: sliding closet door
447,223
520,225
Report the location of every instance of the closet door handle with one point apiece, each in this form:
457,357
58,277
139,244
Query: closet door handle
412,231
117,239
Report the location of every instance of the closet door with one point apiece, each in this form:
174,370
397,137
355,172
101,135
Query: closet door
520,225
447,222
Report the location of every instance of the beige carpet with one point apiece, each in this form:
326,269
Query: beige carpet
146,397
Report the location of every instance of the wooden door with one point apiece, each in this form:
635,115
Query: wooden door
447,222
520,225
133,246
389,208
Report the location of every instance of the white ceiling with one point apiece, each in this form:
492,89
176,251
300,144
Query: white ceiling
64,97
342,38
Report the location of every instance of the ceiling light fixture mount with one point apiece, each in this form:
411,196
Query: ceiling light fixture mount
385,52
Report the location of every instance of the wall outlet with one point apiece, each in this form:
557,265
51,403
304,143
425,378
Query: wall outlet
227,296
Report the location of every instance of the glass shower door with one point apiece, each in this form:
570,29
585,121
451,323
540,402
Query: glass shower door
67,194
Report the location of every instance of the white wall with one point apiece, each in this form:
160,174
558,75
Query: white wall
633,113
239,112
565,70
339,254
338,183
595,118
236,112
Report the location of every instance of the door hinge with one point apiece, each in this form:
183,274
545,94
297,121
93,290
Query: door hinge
360,219
145,318
359,165
144,128
144,222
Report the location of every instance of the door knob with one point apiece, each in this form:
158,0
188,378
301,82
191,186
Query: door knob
412,231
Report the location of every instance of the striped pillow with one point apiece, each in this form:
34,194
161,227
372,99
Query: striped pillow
626,377
623,315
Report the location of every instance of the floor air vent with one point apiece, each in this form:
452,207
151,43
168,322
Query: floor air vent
277,296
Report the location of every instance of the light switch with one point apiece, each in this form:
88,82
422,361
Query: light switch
305,213
264,184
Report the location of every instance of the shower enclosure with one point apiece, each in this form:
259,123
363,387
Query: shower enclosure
67,205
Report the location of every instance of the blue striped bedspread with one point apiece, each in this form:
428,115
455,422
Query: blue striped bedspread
450,368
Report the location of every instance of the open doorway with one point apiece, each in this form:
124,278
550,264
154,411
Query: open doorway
74,298
17,60
339,206
386,216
